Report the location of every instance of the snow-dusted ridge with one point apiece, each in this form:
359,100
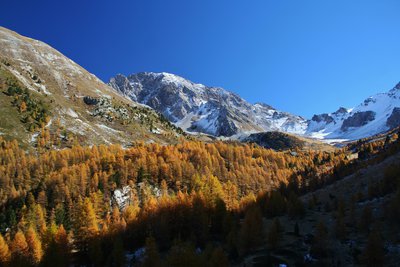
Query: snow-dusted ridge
212,110
192,106
198,108
376,114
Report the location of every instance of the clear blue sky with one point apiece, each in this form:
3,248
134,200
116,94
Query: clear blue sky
304,56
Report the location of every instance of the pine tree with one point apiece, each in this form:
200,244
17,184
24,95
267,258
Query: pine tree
42,199
182,255
58,252
20,250
40,219
251,232
131,212
374,255
164,188
140,175
152,256
274,234
295,206
86,225
48,236
62,246
115,219
22,107
35,246
320,244
89,218
5,254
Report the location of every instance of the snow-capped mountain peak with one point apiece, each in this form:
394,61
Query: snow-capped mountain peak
199,108
213,110
374,115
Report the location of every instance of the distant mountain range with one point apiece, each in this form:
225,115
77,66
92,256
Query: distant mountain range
218,112
377,114
199,108
67,100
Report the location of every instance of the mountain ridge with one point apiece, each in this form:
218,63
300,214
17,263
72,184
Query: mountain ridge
123,111
46,93
188,105
376,114
199,108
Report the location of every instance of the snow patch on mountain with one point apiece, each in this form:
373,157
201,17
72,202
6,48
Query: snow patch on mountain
367,119
198,108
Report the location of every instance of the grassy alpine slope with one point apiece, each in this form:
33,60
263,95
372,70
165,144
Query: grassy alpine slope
75,105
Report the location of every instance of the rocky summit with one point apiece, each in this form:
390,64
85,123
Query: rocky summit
199,108
376,114
215,111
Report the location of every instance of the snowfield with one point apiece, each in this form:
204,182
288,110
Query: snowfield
381,105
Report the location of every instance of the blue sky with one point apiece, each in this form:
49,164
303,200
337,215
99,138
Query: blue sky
304,57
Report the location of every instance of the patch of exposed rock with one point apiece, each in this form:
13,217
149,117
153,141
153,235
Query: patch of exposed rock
394,120
322,118
358,119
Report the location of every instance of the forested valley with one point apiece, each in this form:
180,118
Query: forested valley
191,204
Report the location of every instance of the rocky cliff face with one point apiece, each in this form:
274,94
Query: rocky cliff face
215,111
394,120
199,108
322,118
374,115
358,119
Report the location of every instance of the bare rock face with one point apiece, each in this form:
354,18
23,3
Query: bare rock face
121,198
122,84
218,112
376,114
397,87
199,108
90,100
340,111
322,118
358,119
394,120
